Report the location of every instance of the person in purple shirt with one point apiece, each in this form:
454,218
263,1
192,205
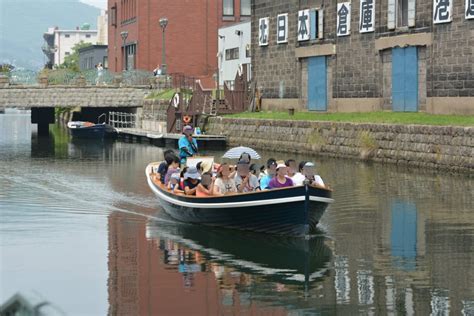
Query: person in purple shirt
281,180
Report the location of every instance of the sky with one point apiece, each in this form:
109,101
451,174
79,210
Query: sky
102,4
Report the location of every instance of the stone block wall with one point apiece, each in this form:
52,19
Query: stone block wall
153,116
451,68
277,70
66,96
446,148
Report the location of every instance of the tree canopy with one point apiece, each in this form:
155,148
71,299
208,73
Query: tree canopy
72,60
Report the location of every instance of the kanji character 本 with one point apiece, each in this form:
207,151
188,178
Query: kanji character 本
342,13
303,31
367,11
442,10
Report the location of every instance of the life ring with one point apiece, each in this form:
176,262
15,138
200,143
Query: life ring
176,100
187,119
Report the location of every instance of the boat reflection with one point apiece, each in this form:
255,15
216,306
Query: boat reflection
281,259
167,268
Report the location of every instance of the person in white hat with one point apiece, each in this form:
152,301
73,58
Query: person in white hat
281,180
311,176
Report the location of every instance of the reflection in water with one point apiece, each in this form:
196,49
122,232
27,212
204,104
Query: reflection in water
397,240
404,235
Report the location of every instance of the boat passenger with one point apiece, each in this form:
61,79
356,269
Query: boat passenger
298,178
245,181
292,167
245,157
172,168
281,180
181,176
311,176
187,144
191,180
173,184
163,167
256,170
224,184
270,173
206,187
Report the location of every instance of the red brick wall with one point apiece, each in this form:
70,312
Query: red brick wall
191,34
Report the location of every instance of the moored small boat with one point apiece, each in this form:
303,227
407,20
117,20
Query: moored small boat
82,129
288,211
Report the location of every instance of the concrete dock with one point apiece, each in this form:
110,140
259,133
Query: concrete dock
169,139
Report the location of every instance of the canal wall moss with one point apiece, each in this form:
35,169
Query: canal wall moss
440,147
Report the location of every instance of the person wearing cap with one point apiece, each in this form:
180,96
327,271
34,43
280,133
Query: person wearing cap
173,184
310,176
281,180
191,180
245,181
223,184
270,173
187,144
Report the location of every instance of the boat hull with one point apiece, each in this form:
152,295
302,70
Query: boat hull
292,211
98,131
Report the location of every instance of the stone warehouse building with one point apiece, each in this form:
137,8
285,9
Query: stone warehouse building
365,55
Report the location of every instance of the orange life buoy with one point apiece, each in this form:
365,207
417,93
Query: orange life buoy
187,119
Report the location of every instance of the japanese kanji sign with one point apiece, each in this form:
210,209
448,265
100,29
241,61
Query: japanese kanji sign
344,18
303,25
282,28
442,11
367,16
469,9
263,30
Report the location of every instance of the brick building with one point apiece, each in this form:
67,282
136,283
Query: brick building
191,33
400,55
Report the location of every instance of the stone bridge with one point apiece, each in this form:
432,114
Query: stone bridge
42,99
72,96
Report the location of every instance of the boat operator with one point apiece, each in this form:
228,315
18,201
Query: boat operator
187,145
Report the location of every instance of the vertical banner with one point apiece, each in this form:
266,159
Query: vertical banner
263,31
469,9
282,28
367,16
442,11
344,19
303,25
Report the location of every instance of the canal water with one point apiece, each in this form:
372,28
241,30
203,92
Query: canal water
80,228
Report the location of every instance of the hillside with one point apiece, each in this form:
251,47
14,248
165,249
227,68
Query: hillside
23,22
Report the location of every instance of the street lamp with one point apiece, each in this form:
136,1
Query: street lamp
124,36
163,24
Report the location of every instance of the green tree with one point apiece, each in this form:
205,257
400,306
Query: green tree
6,68
72,60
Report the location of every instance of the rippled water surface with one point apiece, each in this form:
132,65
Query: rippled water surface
79,227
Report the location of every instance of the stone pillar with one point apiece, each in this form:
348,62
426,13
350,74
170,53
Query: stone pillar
4,81
118,80
81,81
43,117
43,80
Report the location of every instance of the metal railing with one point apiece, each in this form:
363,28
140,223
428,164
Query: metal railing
123,120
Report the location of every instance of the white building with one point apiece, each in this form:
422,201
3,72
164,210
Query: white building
233,51
59,43
102,22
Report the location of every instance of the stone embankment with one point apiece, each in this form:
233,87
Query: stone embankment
438,147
